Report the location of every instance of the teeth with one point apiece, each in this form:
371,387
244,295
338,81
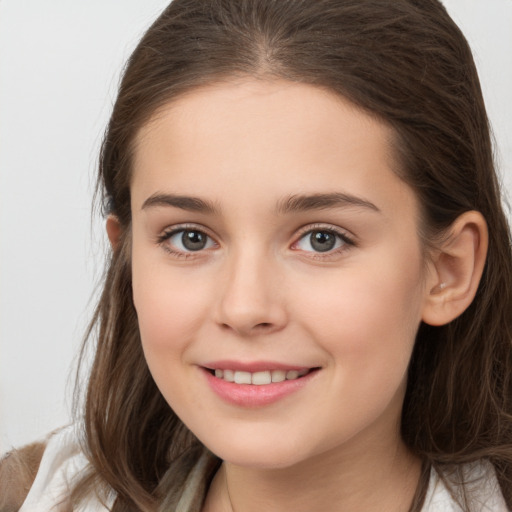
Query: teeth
259,378
242,378
278,375
229,375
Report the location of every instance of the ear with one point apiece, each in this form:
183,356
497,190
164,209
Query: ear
113,231
456,268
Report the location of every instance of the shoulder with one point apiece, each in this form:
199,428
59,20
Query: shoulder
18,470
43,474
474,483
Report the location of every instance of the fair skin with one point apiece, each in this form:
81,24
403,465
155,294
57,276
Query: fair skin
301,250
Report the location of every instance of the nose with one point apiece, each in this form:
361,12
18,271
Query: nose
252,301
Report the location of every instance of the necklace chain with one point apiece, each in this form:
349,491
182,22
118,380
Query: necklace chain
227,490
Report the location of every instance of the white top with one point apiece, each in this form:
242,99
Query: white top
62,461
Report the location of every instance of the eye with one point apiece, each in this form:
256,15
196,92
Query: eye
322,241
186,240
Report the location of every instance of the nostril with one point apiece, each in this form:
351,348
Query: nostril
250,329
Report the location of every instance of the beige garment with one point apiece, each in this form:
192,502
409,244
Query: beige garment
63,462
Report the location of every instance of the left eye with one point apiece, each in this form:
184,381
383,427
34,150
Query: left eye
190,240
320,240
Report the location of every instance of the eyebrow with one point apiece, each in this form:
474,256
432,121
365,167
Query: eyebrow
297,203
194,204
293,203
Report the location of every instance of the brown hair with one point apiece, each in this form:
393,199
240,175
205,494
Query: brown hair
403,61
18,471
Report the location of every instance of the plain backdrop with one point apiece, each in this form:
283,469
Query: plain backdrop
60,62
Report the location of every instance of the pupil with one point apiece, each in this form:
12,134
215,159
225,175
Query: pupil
193,240
322,241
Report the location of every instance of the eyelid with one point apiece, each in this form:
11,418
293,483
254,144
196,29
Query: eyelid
317,226
348,238
170,231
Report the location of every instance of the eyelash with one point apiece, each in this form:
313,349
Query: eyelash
346,240
168,234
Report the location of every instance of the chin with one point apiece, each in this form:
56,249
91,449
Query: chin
267,454
268,461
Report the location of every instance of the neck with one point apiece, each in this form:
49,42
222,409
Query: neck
375,479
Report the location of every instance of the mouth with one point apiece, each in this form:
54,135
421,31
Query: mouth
259,378
256,384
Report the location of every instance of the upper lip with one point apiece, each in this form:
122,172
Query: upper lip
253,366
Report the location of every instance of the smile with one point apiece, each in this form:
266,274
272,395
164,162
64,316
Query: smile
257,388
259,378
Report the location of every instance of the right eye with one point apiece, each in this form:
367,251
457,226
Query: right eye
186,241
321,241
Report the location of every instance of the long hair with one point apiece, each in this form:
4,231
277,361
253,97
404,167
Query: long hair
402,61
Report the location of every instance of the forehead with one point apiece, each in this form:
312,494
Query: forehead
264,108
264,139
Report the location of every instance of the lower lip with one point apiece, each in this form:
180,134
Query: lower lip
250,395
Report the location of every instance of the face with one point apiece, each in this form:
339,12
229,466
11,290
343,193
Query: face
277,271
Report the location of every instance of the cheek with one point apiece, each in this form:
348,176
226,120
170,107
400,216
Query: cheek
367,316
164,315
366,322
170,310
170,304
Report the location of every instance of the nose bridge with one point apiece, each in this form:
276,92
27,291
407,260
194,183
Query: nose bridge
250,301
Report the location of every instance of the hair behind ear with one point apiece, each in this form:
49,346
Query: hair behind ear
458,404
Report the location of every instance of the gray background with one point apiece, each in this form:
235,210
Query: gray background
59,66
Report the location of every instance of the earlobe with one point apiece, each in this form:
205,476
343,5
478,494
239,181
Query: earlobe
113,231
456,269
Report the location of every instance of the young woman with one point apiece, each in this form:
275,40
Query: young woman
308,303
